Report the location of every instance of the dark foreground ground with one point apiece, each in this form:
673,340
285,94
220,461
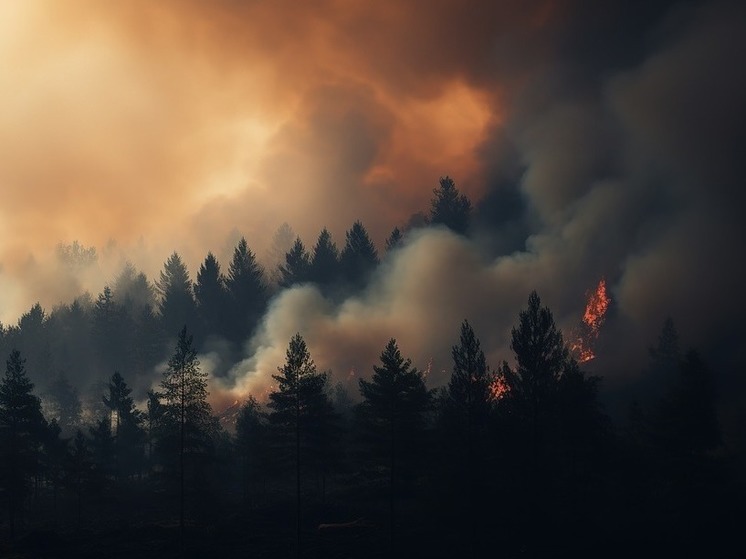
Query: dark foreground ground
142,523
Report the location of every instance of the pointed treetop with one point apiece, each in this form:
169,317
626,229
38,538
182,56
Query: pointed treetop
449,207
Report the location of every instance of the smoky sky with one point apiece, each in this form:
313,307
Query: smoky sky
595,141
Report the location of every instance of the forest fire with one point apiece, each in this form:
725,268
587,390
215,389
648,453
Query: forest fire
498,388
593,318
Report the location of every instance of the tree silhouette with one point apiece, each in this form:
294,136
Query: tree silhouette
466,412
247,290
449,207
530,407
325,268
211,294
395,240
185,408
299,407
33,341
176,305
297,266
359,257
126,426
133,290
541,357
392,415
21,425
112,332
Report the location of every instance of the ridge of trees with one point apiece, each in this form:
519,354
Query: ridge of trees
526,446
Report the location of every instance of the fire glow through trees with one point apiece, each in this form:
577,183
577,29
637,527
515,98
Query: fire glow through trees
582,347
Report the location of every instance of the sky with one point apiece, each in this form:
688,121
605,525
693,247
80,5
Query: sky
596,140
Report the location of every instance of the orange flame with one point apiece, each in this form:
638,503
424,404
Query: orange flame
498,388
593,319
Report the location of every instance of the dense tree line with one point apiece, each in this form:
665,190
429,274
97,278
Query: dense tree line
131,324
522,453
519,457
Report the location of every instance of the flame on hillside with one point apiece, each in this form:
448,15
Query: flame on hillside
584,337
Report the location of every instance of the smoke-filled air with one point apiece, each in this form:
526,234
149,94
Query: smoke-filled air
257,226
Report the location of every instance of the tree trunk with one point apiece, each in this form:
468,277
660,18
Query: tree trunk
297,469
181,475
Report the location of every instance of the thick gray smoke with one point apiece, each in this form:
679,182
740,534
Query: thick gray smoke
632,174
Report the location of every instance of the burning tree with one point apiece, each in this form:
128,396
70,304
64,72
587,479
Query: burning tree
586,334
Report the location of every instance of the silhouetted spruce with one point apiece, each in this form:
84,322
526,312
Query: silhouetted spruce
133,290
392,418
129,436
325,267
300,411
296,268
21,431
449,207
176,305
211,295
465,416
186,416
247,291
395,240
359,257
112,333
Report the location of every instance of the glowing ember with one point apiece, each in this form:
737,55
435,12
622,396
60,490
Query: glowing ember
593,318
498,388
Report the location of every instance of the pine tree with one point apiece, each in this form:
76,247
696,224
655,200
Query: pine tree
541,357
395,240
176,304
247,290
297,265
325,269
449,207
300,407
359,257
21,428
466,412
112,332
470,388
133,290
530,409
392,414
185,409
126,426
211,295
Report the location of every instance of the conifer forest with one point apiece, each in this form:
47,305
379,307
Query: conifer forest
418,279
